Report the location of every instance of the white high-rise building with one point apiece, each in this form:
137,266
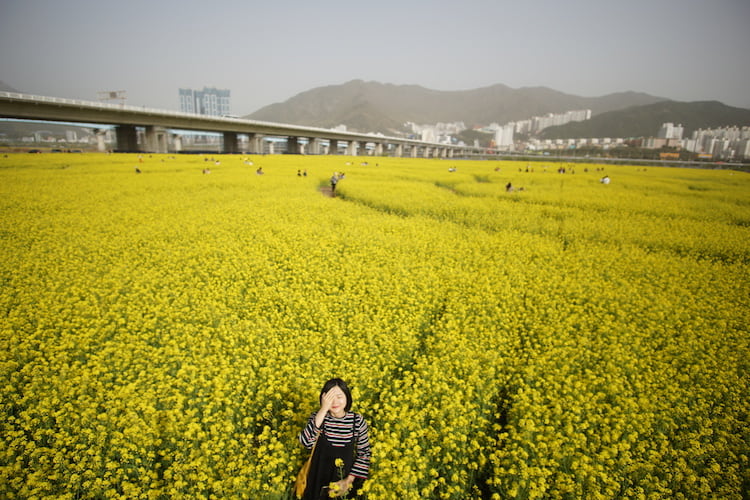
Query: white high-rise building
504,135
539,123
743,148
670,131
209,101
428,134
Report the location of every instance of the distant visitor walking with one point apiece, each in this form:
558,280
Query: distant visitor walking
334,180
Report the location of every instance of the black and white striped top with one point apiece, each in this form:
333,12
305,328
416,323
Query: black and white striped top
338,431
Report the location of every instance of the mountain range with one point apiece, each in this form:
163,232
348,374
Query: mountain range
385,108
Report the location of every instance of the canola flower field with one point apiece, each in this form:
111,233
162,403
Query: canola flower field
166,334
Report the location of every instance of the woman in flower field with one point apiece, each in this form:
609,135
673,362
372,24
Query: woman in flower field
341,457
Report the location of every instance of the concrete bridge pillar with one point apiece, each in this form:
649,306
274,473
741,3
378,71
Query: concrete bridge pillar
100,136
255,144
231,143
333,147
127,138
427,152
177,142
293,145
378,149
399,150
351,149
413,152
313,147
156,140
450,152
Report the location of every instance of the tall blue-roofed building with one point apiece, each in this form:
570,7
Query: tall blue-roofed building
209,101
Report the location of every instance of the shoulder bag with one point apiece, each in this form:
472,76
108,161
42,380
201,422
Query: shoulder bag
301,483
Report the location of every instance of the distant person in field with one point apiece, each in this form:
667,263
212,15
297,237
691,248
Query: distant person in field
605,179
340,442
259,171
509,188
334,180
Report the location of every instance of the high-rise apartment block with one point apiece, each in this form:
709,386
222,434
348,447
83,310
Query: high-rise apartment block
670,131
538,123
504,135
209,101
724,142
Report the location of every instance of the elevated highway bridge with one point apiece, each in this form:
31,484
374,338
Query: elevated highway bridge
160,128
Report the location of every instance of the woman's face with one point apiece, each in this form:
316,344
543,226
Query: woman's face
339,401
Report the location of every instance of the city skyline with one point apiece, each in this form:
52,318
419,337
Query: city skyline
268,52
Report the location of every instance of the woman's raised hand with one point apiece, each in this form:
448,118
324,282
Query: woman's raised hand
325,405
327,400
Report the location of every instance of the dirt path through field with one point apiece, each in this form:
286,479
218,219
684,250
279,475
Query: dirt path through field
326,191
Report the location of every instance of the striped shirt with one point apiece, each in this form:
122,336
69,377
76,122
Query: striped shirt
338,431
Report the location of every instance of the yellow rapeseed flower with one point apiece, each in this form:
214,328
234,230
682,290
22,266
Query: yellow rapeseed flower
569,340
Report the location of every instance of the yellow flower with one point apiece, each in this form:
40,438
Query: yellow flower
333,490
594,330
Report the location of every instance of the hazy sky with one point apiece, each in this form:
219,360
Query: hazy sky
268,51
